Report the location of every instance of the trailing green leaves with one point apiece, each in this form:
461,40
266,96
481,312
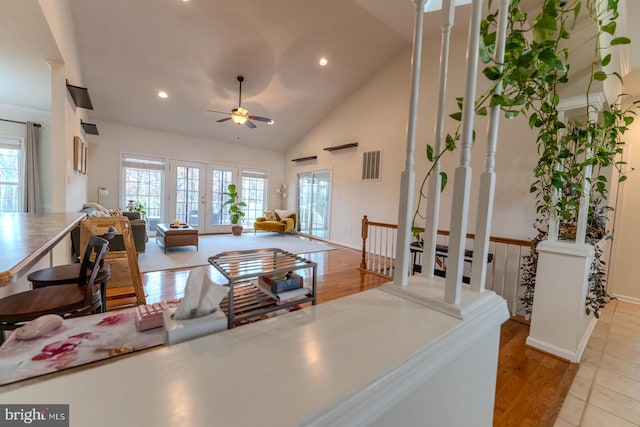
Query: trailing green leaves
535,67
620,40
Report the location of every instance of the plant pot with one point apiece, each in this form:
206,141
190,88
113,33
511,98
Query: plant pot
236,230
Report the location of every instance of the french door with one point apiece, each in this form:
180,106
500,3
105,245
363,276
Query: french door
314,195
218,178
187,196
196,197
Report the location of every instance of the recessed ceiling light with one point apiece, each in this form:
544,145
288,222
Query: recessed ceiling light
163,94
323,62
270,122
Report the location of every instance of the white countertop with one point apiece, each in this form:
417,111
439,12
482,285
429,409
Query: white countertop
276,372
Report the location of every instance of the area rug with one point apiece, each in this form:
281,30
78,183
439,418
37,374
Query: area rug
154,258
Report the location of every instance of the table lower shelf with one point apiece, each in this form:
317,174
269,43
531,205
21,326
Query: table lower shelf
251,304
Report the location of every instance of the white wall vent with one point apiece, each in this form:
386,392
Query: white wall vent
371,165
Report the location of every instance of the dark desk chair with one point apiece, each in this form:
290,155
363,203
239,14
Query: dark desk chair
67,300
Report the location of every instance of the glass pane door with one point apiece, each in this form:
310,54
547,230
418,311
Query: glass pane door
219,177
314,195
254,194
188,192
143,183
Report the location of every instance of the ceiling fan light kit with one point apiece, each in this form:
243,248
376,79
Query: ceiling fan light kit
239,115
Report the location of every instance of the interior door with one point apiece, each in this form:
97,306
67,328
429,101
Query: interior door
218,178
188,196
314,195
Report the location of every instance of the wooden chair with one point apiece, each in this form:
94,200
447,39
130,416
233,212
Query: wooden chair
125,271
68,300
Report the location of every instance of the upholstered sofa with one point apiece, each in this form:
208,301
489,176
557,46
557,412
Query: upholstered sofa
278,224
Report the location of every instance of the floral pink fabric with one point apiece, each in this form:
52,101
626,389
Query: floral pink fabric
78,341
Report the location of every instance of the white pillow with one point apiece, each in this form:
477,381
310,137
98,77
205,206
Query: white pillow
283,213
98,208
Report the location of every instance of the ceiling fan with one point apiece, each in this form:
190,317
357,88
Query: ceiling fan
240,116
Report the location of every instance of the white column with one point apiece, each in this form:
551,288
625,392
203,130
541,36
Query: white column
462,178
407,179
554,225
581,230
559,323
433,193
488,177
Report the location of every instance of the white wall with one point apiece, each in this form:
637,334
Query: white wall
114,139
68,188
624,268
376,117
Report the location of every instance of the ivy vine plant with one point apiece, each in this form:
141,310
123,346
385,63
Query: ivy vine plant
565,158
535,67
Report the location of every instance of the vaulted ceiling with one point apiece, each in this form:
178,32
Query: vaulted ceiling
194,50
25,44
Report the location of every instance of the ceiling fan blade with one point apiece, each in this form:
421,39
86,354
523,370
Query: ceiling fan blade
250,124
223,120
261,119
219,112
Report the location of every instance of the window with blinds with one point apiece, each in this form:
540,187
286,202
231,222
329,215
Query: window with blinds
254,194
371,165
11,174
143,182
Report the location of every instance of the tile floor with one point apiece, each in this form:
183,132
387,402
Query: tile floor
606,389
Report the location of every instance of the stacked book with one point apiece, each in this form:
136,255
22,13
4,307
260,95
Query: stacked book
281,282
283,286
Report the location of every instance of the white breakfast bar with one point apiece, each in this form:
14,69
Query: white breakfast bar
375,358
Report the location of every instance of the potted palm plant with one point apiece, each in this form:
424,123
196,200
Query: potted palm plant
235,209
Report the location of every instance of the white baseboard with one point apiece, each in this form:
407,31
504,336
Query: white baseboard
626,298
552,349
568,354
348,245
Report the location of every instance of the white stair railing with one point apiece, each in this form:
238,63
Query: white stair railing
505,258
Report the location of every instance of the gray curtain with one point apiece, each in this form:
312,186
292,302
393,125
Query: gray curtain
31,199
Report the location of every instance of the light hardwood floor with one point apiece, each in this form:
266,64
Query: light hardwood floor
531,385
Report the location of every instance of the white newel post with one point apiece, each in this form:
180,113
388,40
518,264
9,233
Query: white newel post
559,323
